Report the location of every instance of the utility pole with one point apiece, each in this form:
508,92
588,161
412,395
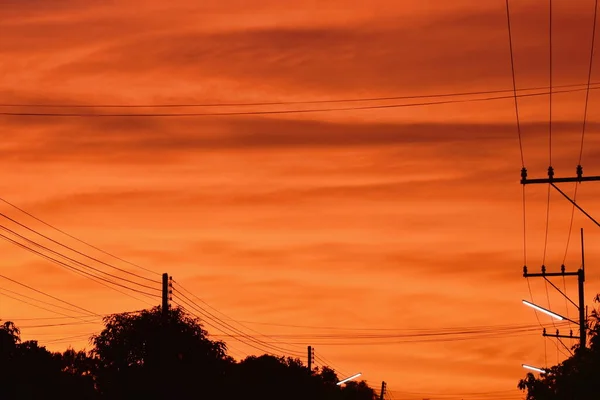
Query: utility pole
580,285
165,295
580,274
311,355
383,386
551,180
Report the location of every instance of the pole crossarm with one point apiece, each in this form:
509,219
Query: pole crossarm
558,335
527,275
545,274
559,180
551,179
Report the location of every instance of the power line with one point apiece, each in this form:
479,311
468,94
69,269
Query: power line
550,170
214,309
34,299
289,111
276,103
518,123
402,334
83,254
2,227
40,307
512,66
216,327
584,125
75,238
68,338
325,362
209,315
414,330
48,295
550,83
583,128
76,270
60,325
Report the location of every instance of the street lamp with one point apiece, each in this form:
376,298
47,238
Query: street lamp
545,311
340,383
540,370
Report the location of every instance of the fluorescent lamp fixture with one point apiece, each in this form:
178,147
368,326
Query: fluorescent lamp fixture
541,371
349,379
541,309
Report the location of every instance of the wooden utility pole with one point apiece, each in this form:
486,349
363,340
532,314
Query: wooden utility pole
382,394
552,181
580,274
165,295
310,358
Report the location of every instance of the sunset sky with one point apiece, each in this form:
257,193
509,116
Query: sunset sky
392,220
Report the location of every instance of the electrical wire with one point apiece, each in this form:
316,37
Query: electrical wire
215,319
324,362
514,82
550,84
88,322
48,295
214,309
549,158
83,254
189,311
84,265
75,238
79,271
583,128
40,307
288,111
69,338
34,299
276,103
518,123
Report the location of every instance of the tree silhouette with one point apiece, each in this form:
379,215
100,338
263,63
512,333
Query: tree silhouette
575,378
29,371
148,354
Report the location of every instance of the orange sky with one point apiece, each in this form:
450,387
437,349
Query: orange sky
407,218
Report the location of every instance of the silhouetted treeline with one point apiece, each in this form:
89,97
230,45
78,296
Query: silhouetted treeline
576,378
147,355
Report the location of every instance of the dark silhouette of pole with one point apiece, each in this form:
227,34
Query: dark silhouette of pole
382,394
580,288
580,282
310,355
165,294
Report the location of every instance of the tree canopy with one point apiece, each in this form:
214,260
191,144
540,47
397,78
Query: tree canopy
576,378
159,356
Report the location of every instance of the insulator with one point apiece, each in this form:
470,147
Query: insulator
543,269
524,173
550,172
579,171
562,268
